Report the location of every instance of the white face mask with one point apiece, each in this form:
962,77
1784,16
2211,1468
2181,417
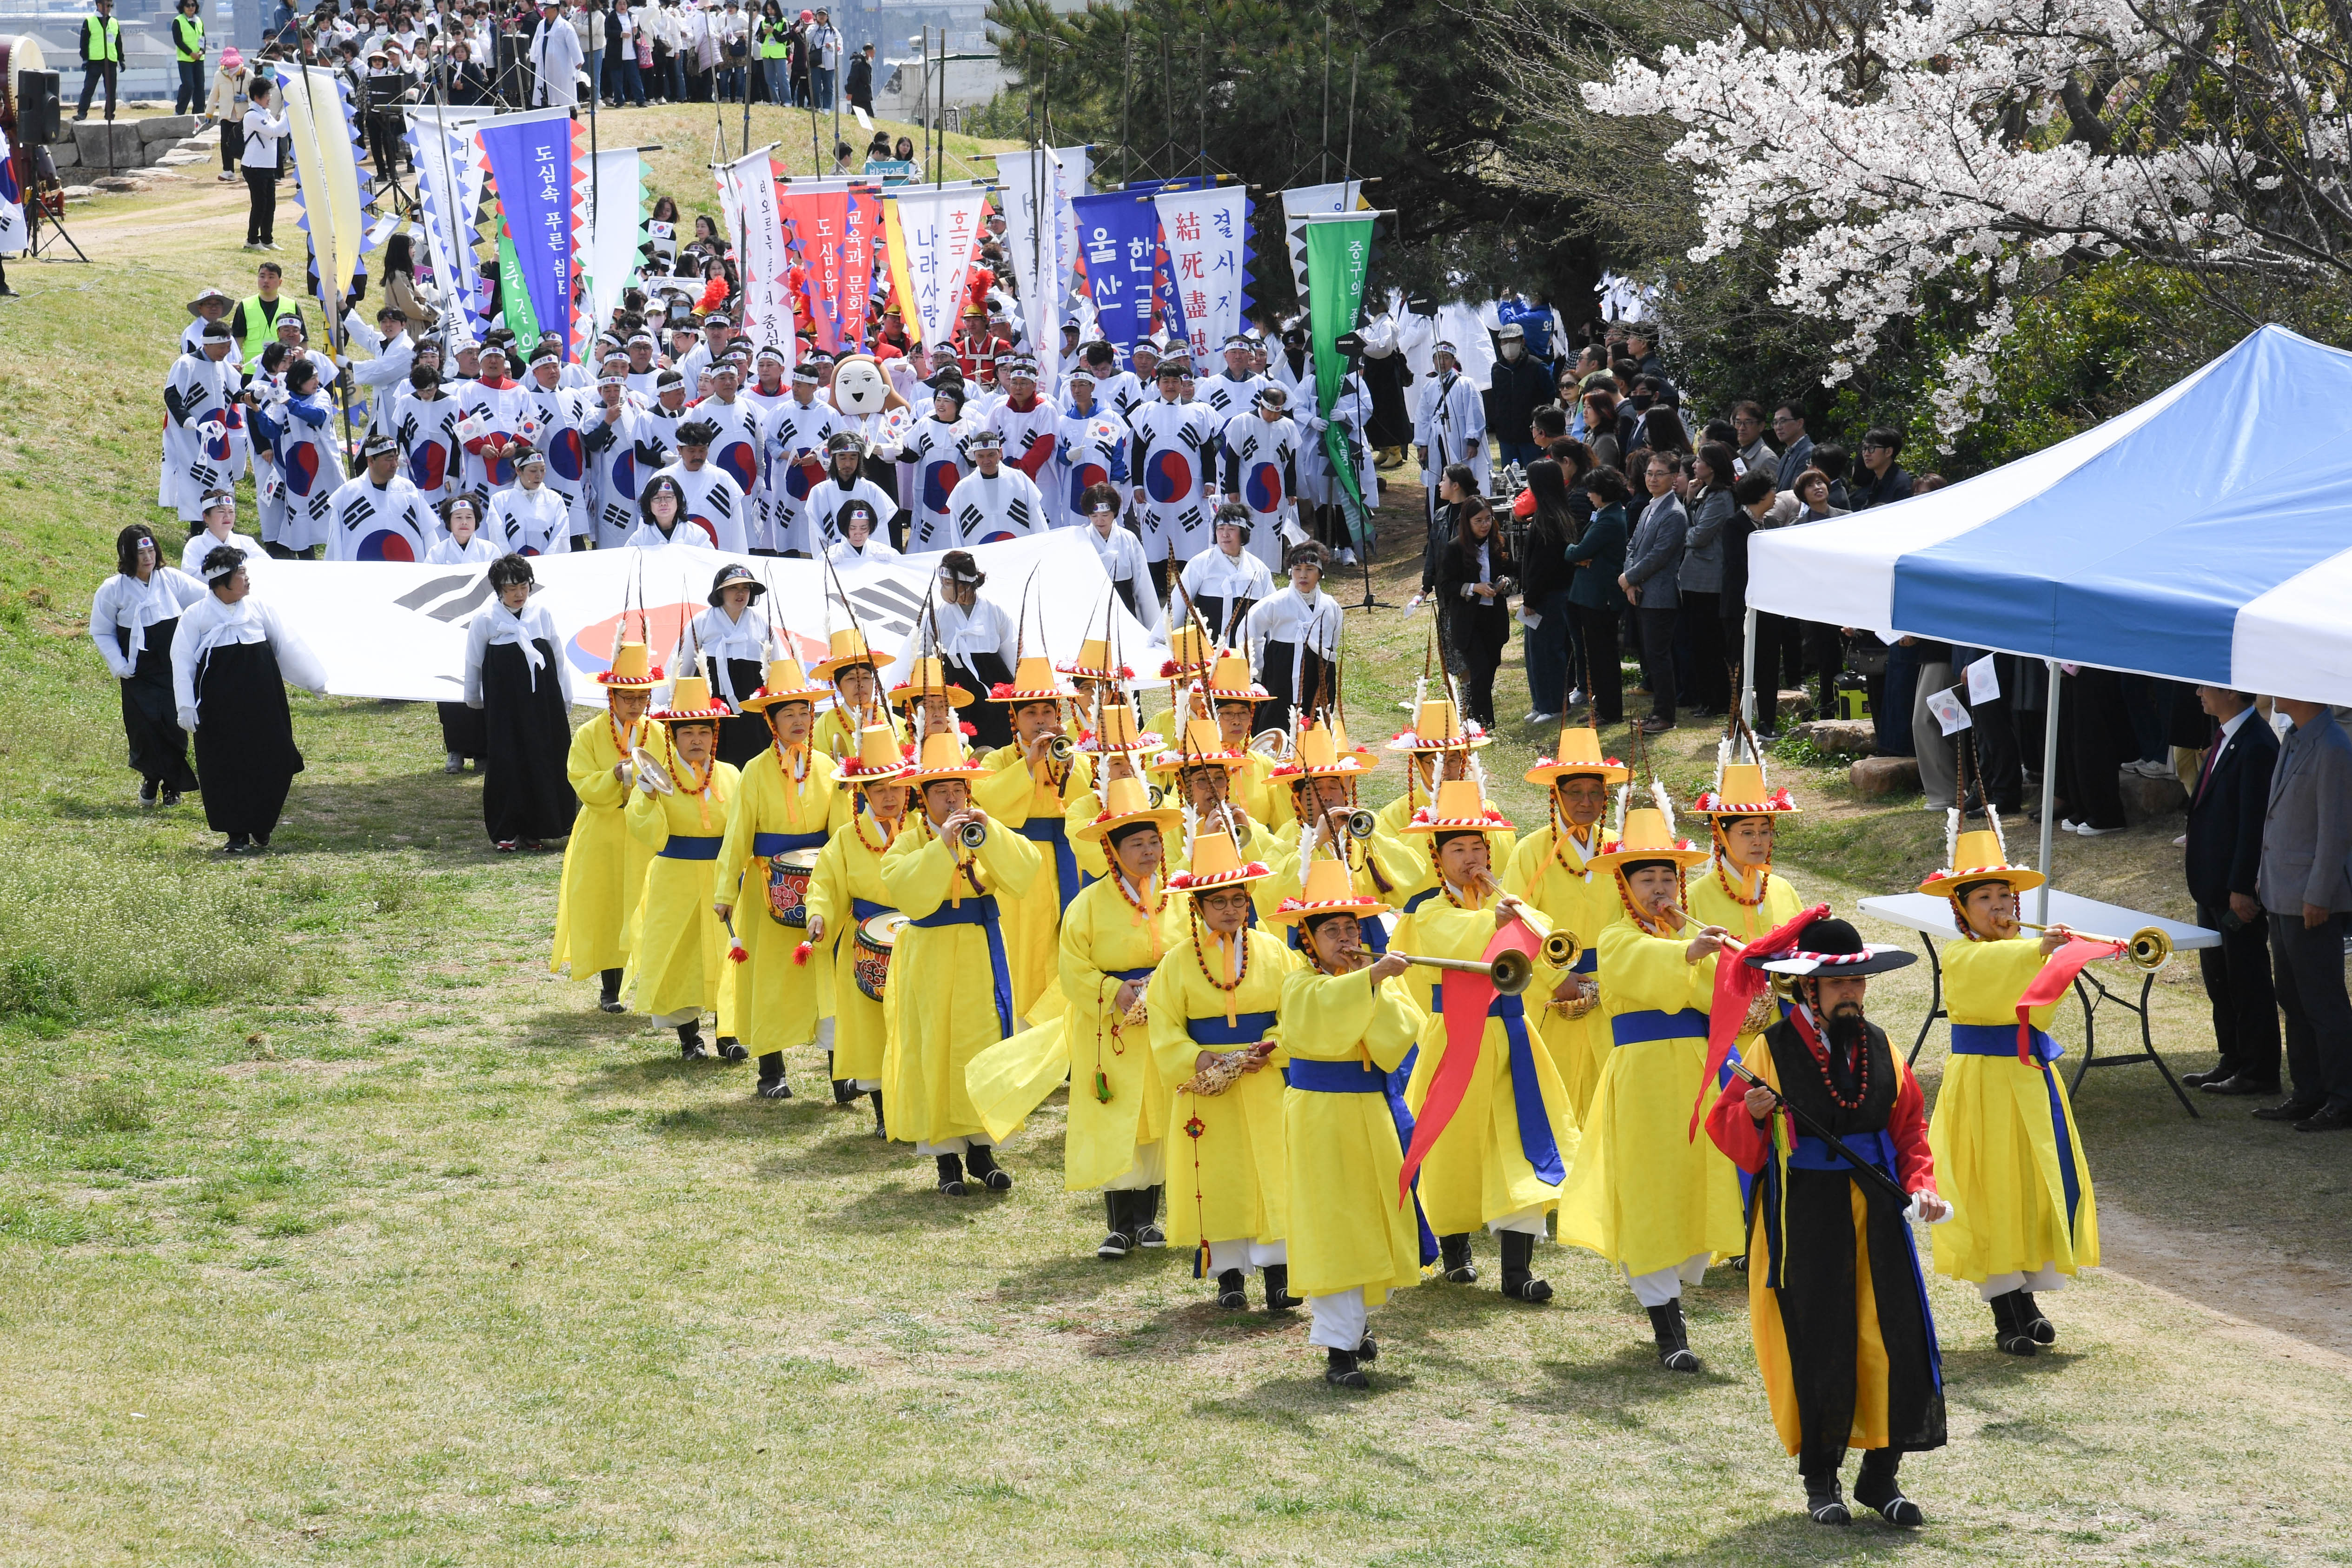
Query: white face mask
1512,350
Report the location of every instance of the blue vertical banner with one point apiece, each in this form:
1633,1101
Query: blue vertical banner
1119,251
534,167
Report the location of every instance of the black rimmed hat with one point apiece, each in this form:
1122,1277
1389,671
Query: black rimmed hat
1832,947
730,574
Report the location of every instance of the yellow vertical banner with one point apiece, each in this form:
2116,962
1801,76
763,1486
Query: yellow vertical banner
902,277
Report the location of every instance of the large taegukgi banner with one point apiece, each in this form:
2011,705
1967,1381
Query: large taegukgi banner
386,629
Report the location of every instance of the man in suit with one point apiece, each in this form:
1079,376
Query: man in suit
2304,885
2226,806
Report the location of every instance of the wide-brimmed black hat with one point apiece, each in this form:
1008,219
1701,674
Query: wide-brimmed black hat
1832,947
730,574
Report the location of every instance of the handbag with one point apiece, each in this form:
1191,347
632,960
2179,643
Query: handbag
1865,654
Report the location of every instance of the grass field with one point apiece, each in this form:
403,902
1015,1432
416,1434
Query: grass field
334,1230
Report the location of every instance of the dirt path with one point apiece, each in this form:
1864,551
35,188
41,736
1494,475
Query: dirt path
2239,1276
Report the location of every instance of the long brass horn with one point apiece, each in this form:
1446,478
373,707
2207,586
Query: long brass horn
1512,970
2146,948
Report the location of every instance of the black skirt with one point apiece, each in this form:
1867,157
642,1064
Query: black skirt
245,739
1274,712
745,736
526,793
992,722
151,717
461,729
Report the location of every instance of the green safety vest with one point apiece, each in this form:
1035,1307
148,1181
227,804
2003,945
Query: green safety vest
191,48
252,322
102,36
775,44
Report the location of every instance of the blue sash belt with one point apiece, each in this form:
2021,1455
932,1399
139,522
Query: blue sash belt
1650,1023
982,912
777,844
1355,1078
1247,1029
1536,1142
1054,832
686,847
1587,962
865,909
2000,1040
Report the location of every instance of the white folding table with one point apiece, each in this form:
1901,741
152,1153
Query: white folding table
1932,917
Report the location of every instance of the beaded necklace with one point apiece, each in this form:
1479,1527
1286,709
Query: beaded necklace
889,832
1722,857
1648,927
1240,965
1563,829
684,772
1820,1051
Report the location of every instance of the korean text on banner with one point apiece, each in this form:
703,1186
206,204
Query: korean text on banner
828,230
1033,184
749,195
535,168
1338,258
1207,237
1118,247
933,233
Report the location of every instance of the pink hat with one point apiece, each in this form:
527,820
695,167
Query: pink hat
230,59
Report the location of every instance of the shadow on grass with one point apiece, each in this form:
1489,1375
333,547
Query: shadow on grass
1794,1538
913,1204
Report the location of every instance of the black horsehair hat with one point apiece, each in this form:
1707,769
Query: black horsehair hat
1832,947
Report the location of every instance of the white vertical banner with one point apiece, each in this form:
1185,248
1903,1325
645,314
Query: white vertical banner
615,226
1033,239
748,192
449,173
327,180
1077,164
1303,202
13,234
939,230
1206,235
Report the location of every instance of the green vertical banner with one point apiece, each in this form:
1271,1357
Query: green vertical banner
1338,260
514,298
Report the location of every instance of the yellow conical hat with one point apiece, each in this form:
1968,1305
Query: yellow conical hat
1460,807
848,648
927,676
1980,856
1741,790
1124,801
1216,863
1094,662
1230,681
1648,838
1437,726
633,669
689,700
1204,745
879,758
786,683
1118,731
1034,682
1578,754
1189,651
942,757
1327,887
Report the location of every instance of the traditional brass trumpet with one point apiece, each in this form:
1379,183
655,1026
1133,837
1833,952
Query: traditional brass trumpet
1361,824
971,835
2146,948
1561,949
1060,749
1274,744
1154,794
1512,970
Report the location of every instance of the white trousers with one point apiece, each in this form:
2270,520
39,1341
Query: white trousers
866,1085
682,1015
1337,1321
1528,1221
1660,1286
1246,1255
1149,1169
825,1034
2045,1278
956,1146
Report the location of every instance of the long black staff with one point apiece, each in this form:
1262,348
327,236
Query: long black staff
1813,1126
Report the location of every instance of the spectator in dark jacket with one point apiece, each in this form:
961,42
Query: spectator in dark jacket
2304,887
1653,559
1883,479
1552,530
1475,579
2227,800
860,86
1519,386
1596,593
1796,446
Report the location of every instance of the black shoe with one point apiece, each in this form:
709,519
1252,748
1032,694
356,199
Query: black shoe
2238,1085
1453,1258
1119,1240
171,798
1229,1290
689,1042
1673,1342
732,1050
147,792
1877,1490
1340,1371
1279,1298
2293,1109
2030,1319
2199,1080
982,1163
1368,1349
1739,1264
608,996
1147,1218
2329,1118
951,1175
1823,1501
2009,1331
1519,1282
771,1077
881,1130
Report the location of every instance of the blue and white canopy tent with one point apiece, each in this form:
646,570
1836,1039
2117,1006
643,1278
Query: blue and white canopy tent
2205,536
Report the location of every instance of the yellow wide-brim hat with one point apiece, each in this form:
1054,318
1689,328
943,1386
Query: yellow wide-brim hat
1033,680
690,702
1094,662
1230,682
1438,726
1577,755
1327,888
1189,653
880,759
1459,808
1204,745
1216,863
1980,857
1322,753
1647,838
848,648
927,677
1740,793
943,756
633,670
1117,730
786,683
1124,803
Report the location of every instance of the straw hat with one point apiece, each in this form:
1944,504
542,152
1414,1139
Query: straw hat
1033,682
1437,726
1204,745
1741,791
1577,755
1323,753
927,677
1648,836
786,683
1189,653
1116,731
880,759
848,648
942,757
1230,682
690,702
1326,887
1125,801
1094,662
633,669
1979,856
1216,864
1460,808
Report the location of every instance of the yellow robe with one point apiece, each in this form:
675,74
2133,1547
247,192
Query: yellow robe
1014,797
1368,882
1995,1134
1104,940
1707,900
603,864
1478,1169
1229,1180
1573,900
838,731
950,1014
1644,1193
777,1001
849,874
1347,1228
679,945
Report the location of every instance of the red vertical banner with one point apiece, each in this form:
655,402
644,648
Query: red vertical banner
862,221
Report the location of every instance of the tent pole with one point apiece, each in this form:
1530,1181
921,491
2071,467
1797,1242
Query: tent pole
1748,677
2048,789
